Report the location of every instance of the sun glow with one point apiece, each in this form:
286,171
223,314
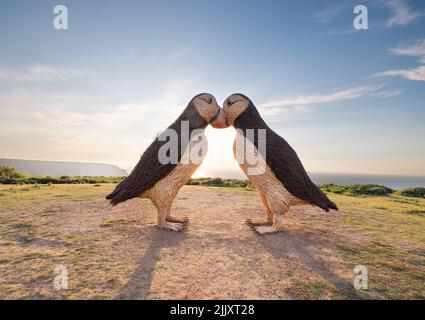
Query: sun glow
219,160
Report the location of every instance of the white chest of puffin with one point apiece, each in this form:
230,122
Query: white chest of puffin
160,182
283,181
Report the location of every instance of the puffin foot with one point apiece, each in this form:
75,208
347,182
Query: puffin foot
174,226
264,230
250,223
183,221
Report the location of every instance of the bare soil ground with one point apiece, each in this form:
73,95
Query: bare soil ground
119,253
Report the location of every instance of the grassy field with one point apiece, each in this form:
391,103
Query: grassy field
118,253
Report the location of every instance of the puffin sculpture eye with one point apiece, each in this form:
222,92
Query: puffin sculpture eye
230,103
208,100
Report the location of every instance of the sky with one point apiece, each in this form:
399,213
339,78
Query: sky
348,101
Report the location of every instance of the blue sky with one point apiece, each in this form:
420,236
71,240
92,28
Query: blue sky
346,100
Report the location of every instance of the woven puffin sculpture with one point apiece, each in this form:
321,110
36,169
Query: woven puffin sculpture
160,182
283,182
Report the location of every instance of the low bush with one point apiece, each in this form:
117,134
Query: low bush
61,180
414,192
9,173
219,182
358,189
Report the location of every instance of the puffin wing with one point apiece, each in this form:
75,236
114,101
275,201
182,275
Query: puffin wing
148,171
287,167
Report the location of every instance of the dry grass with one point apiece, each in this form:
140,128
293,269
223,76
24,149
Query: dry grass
119,253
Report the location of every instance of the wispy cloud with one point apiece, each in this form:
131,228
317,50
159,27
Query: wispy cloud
302,103
330,12
417,74
39,72
387,93
342,31
303,100
414,50
402,13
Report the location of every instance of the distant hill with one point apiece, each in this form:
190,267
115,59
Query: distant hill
62,168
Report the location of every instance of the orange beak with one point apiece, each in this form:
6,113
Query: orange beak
220,121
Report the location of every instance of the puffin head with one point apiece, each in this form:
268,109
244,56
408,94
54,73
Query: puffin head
234,106
207,107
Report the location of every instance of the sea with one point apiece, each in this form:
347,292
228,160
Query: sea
392,181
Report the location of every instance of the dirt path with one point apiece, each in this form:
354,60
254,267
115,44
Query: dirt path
119,253
220,257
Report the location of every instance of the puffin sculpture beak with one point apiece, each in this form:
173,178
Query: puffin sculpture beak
219,121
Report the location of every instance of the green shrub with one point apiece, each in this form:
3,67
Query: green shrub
60,180
414,192
358,189
192,182
214,182
219,182
334,188
9,173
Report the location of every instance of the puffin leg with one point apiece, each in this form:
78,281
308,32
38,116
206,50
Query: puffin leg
251,223
183,221
162,223
168,218
268,216
276,227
